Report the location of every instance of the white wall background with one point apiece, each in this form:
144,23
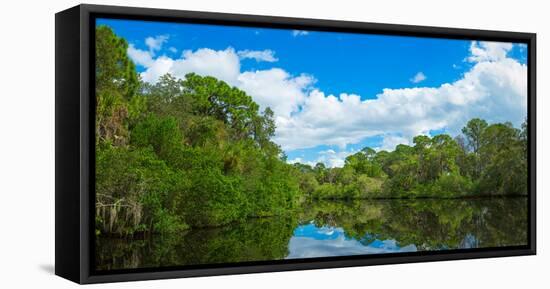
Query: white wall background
27,143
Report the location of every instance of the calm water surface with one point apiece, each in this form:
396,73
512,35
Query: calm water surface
332,228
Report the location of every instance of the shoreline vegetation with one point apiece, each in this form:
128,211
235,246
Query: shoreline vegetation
196,153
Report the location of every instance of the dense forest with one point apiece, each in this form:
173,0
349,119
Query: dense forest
196,152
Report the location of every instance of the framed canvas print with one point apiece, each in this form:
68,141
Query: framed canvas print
193,144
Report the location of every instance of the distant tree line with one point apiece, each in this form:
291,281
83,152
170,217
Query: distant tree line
198,153
487,160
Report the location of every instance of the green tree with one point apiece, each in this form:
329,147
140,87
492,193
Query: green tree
502,151
363,163
473,131
116,84
162,134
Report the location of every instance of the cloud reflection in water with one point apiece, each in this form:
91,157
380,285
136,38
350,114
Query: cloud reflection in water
310,241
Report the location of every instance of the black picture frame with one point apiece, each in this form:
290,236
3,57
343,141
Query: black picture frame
75,141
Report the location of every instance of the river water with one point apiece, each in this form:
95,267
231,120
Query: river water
332,228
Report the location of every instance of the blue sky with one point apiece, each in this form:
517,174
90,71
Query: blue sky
308,77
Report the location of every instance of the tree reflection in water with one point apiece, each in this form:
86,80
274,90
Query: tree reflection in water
329,228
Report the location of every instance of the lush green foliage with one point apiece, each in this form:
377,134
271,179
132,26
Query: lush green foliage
198,153
492,160
180,153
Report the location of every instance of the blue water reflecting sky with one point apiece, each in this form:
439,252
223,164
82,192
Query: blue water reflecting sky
309,241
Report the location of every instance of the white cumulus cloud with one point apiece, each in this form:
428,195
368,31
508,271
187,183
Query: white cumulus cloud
140,57
296,33
155,43
488,51
259,55
419,77
389,142
222,64
277,89
494,88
